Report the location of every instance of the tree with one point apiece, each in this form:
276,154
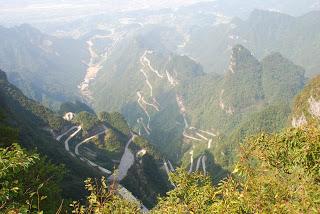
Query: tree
87,120
192,194
112,142
103,199
281,172
116,120
28,183
103,116
276,173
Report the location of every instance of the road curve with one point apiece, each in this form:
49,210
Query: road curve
126,194
66,142
166,167
204,158
171,167
60,136
198,163
191,161
76,150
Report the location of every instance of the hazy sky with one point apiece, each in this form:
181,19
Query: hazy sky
12,5
33,11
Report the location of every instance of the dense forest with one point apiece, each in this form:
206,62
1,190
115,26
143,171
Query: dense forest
275,172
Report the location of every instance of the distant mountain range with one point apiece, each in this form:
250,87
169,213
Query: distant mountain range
49,11
47,69
263,32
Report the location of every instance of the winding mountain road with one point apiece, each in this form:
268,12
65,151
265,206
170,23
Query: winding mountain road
76,150
145,69
148,64
204,158
191,161
209,143
209,133
171,167
198,163
140,121
144,108
60,136
200,135
66,142
166,167
127,161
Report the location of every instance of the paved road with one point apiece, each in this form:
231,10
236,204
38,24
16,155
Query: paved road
126,163
204,158
191,161
66,142
60,136
198,163
76,150
166,167
171,167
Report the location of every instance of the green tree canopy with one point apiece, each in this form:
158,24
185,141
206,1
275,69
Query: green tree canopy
276,173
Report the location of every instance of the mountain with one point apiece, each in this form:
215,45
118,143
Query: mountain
153,101
109,144
264,32
185,112
243,9
164,95
306,108
244,96
35,125
297,147
46,68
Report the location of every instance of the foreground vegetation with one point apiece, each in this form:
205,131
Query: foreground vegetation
276,173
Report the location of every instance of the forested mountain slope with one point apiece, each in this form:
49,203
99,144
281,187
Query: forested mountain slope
306,108
44,67
275,173
106,142
270,165
34,125
183,111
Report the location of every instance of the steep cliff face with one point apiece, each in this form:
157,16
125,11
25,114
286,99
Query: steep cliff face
306,109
